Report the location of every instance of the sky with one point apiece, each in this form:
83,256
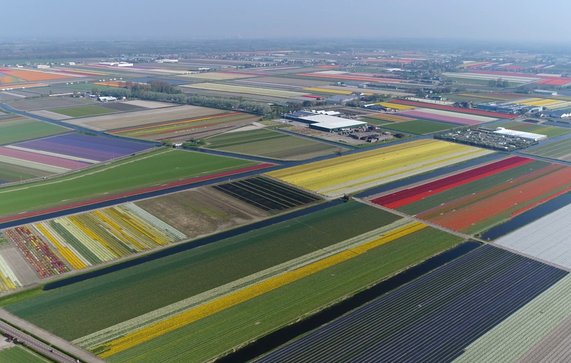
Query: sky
530,21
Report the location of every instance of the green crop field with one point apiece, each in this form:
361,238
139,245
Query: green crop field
219,333
270,144
20,129
82,111
144,170
13,173
375,121
419,127
89,306
557,150
20,355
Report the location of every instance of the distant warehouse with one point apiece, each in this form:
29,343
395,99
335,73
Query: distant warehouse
326,123
522,134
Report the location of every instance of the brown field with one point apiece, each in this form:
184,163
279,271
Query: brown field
145,117
148,104
201,211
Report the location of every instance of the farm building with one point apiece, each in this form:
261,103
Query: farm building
324,122
324,112
332,123
523,134
106,98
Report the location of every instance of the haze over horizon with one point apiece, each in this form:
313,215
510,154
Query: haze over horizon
510,20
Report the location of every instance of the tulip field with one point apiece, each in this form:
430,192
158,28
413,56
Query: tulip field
543,102
476,199
84,240
8,279
178,320
351,173
238,260
183,129
345,257
267,194
37,252
469,111
196,216
215,327
56,154
11,75
82,147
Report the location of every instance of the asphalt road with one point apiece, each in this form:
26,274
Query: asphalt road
54,345
35,345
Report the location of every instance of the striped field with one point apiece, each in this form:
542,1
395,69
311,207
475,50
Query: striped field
364,170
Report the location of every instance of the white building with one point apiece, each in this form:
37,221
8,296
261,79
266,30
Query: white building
106,99
331,123
523,134
166,61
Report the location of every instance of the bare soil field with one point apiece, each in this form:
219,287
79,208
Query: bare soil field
202,211
145,117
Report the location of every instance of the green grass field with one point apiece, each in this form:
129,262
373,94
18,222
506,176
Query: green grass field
270,143
219,333
143,170
82,111
89,306
19,354
419,127
20,129
560,150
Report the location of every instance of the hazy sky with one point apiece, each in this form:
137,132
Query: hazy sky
512,20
